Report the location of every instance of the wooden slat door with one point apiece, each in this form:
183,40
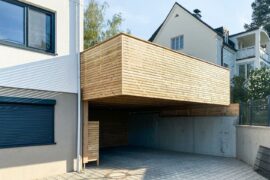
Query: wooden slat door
90,137
93,141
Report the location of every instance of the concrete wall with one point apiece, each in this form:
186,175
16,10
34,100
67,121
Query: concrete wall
40,161
28,69
202,135
199,40
249,138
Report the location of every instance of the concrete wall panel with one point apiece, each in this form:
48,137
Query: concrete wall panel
202,135
249,138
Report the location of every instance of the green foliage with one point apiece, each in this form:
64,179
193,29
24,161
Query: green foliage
93,23
258,84
96,27
113,26
239,92
260,15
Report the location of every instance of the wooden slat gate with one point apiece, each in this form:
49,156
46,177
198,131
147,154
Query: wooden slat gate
90,138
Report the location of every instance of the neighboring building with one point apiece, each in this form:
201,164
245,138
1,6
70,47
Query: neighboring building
253,49
186,32
38,86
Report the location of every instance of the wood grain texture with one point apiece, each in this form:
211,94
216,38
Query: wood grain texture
92,145
93,141
101,70
231,110
113,127
85,131
129,67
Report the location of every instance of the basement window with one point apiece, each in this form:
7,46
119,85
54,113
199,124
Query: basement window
26,26
177,43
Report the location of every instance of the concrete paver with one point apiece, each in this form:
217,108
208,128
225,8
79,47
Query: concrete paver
134,163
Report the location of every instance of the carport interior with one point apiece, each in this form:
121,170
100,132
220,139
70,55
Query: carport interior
192,128
139,93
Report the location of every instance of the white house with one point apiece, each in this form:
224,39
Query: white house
186,32
40,42
253,48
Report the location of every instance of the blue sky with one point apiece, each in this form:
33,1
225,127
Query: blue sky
143,17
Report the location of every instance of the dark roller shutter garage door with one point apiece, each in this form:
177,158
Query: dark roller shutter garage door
26,122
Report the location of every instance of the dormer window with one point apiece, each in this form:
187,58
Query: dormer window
26,26
177,43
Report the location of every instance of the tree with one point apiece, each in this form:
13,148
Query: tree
260,15
258,84
96,27
239,92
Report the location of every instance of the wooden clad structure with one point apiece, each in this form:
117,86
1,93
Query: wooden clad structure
211,110
93,141
90,137
126,70
113,129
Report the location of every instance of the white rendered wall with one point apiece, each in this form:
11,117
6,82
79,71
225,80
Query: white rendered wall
27,69
32,162
199,40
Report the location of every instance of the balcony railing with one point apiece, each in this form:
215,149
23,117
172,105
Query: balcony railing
244,53
264,55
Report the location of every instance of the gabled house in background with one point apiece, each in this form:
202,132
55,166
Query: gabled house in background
40,42
186,32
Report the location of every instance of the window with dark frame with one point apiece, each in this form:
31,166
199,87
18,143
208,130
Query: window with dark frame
177,43
26,26
245,69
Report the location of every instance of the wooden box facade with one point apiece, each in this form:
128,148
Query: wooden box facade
130,71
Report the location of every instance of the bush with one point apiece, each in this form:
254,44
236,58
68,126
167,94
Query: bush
258,84
239,92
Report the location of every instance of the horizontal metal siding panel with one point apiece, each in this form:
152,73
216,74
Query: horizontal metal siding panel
26,124
58,74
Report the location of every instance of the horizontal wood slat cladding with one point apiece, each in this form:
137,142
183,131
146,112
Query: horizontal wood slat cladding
101,70
93,141
130,67
231,110
113,127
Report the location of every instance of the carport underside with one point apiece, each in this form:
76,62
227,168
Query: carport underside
125,76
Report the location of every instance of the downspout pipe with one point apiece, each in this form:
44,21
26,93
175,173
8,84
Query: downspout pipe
79,113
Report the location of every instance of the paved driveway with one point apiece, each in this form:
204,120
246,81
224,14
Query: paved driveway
140,163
